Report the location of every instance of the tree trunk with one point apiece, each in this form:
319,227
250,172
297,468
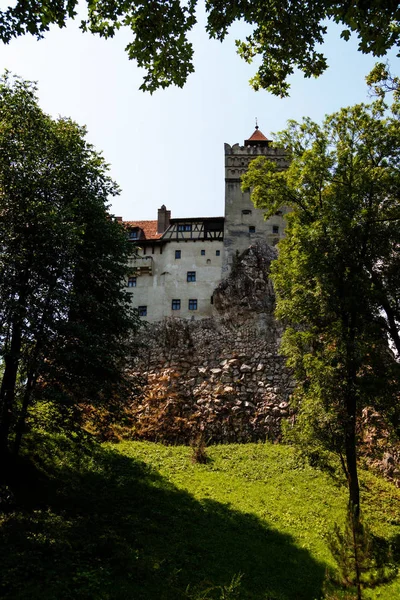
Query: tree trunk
7,392
11,364
355,524
30,385
33,370
351,415
351,445
351,459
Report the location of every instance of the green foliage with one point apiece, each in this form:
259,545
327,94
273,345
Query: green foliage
382,82
64,315
316,433
364,561
337,274
139,520
285,35
219,592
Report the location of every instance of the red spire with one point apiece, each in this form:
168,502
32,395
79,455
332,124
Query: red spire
257,138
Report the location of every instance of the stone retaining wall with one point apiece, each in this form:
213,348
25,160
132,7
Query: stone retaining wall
222,376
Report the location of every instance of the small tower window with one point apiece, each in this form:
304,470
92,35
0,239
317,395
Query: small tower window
246,211
252,229
191,276
275,228
177,253
217,252
132,281
192,304
176,305
142,310
203,252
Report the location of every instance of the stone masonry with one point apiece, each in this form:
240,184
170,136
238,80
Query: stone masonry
222,377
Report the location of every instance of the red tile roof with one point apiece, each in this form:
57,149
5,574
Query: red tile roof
257,136
149,229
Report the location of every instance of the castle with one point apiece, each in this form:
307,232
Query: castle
179,262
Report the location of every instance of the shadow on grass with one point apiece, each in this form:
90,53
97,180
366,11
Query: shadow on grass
104,526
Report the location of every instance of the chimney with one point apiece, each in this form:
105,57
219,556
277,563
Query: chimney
164,216
118,219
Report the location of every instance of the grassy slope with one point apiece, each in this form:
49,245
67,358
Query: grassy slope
139,521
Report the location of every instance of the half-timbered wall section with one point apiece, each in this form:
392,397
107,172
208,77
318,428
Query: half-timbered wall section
209,228
174,272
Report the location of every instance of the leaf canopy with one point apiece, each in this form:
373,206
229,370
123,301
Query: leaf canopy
337,274
65,317
286,35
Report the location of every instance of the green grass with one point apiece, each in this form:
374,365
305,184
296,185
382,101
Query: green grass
140,521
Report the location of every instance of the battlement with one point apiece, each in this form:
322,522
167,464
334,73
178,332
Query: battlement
253,150
238,158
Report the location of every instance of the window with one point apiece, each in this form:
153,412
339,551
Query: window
133,235
275,228
142,310
246,212
177,253
217,252
184,227
192,304
132,281
176,305
279,213
203,252
252,229
191,276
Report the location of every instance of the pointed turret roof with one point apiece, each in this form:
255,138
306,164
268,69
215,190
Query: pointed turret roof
257,136
257,139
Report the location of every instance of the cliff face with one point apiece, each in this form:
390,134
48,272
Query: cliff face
248,291
221,376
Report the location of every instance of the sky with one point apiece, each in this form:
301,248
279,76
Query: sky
168,148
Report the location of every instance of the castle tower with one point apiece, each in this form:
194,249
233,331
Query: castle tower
244,224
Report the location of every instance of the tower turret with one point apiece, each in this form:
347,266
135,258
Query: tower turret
244,224
257,139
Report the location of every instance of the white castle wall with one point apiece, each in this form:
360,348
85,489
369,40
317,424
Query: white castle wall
168,279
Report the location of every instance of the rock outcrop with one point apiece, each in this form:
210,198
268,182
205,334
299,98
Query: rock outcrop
221,377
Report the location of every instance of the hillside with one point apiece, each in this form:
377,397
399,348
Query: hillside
140,521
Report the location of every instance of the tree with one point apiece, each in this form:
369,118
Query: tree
337,273
285,34
381,81
64,316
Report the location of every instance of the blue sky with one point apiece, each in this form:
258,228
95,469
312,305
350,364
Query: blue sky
168,148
